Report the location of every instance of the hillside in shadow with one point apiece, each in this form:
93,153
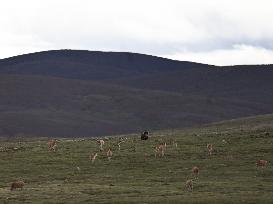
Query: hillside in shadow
67,93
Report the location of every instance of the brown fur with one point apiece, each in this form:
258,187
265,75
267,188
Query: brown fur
109,154
210,149
54,148
261,163
17,184
189,185
101,143
51,144
160,150
93,157
195,170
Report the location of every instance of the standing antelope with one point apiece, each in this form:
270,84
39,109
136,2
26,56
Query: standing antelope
209,147
52,145
101,143
93,157
109,154
189,185
160,150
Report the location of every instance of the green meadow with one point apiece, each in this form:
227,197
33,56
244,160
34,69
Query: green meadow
134,175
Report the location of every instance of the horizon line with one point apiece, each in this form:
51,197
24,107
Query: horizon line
128,52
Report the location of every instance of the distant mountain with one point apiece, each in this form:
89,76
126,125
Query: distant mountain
90,65
66,93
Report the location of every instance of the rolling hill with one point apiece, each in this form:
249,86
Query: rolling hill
68,93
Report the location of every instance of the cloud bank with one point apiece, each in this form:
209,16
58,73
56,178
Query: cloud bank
220,32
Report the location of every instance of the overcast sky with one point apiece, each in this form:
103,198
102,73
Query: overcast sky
220,32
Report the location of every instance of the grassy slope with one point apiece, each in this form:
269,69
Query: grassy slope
135,176
71,92
51,106
253,83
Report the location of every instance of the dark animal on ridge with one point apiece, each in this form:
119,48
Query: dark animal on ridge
145,135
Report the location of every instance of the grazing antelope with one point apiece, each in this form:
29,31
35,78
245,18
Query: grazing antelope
160,150
101,143
189,185
109,154
54,148
17,184
195,170
93,157
261,163
209,147
51,144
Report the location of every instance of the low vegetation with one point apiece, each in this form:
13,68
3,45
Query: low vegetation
132,174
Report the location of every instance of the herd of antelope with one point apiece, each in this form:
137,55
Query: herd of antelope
159,153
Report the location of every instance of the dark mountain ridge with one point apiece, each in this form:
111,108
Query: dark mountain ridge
81,64
71,93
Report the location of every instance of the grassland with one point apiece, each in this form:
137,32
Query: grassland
134,175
